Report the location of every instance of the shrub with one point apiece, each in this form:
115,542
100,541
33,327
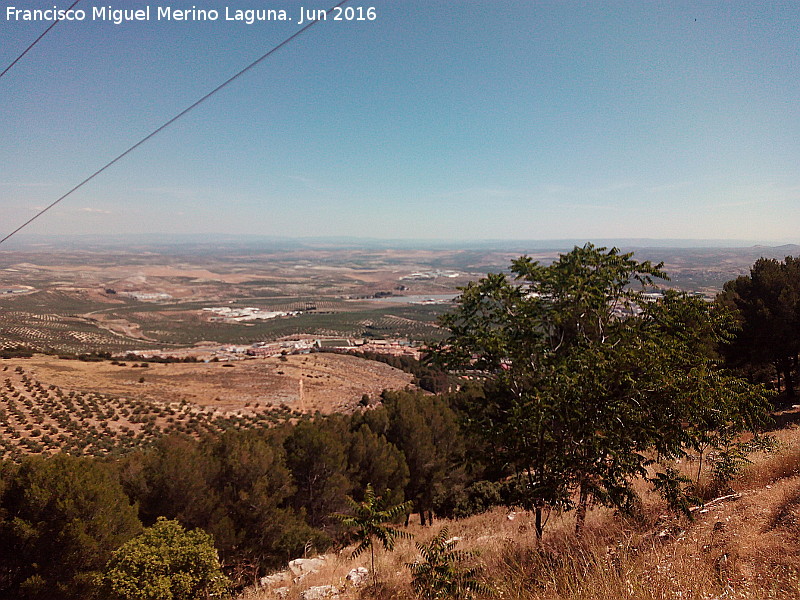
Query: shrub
165,562
441,572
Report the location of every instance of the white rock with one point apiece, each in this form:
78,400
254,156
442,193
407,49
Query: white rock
320,592
301,567
281,592
275,579
358,576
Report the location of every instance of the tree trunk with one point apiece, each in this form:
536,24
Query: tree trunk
374,574
580,515
539,524
700,466
788,379
537,511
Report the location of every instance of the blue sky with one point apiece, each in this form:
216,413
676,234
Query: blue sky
448,120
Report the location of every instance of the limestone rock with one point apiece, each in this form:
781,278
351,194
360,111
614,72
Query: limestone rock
300,567
320,592
358,576
275,579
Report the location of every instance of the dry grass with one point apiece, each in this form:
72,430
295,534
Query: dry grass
745,547
769,468
39,417
331,382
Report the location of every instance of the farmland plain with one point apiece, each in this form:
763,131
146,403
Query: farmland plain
58,301
117,298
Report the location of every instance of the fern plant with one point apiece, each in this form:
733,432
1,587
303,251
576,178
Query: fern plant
441,572
369,519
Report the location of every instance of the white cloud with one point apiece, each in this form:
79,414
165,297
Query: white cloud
98,211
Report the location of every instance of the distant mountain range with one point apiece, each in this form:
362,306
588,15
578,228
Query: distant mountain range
209,241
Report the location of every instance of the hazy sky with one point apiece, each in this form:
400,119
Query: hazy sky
455,120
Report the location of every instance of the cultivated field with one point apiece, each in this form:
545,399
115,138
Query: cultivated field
48,404
147,297
38,418
330,382
117,301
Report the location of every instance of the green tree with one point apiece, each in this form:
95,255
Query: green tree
61,518
175,479
442,574
373,460
585,374
236,487
316,454
369,520
767,303
254,486
165,562
426,430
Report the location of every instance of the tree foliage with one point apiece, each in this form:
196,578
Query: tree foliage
767,303
442,572
316,454
373,460
61,519
165,562
425,429
236,487
369,520
585,374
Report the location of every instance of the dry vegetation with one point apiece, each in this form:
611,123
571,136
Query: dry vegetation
40,418
330,382
49,405
746,545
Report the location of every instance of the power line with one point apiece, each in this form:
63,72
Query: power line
36,41
173,119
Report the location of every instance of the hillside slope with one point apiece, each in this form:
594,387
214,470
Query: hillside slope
743,544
